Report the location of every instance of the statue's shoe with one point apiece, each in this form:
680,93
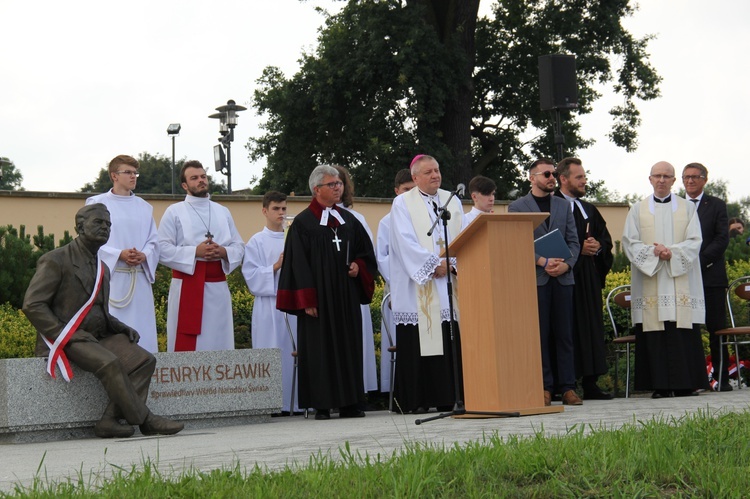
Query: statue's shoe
157,425
111,428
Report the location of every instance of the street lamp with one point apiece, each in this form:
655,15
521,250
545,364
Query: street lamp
227,117
173,131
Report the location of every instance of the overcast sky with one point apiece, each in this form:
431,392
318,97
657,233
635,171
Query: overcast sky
83,80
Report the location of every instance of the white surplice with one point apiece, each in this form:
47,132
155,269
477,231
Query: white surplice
473,213
370,373
269,329
131,298
184,226
412,264
664,290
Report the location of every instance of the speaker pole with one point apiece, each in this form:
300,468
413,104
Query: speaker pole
559,137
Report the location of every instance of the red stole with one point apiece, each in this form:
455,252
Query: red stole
190,315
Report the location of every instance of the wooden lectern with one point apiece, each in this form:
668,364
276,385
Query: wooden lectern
499,318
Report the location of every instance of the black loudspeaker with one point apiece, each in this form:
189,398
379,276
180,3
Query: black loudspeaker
557,82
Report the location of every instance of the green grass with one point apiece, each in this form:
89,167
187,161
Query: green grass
694,456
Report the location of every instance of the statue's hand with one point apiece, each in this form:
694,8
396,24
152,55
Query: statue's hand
133,335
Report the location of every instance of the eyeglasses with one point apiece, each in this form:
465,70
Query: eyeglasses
662,177
332,185
688,178
132,173
547,174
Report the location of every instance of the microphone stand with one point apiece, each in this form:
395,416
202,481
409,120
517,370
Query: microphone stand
458,379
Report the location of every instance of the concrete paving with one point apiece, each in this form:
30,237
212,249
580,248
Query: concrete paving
293,440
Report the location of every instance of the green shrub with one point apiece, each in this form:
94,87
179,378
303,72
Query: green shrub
17,335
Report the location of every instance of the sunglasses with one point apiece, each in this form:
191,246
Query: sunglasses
546,174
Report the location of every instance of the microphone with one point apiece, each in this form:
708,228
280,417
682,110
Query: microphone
460,190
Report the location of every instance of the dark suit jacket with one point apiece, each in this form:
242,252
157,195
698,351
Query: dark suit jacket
560,218
712,213
63,281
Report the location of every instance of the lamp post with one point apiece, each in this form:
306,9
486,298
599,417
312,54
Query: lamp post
173,131
227,117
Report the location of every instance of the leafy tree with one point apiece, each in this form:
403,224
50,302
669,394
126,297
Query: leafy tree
11,178
392,78
155,172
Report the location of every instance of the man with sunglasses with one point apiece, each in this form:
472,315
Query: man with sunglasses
554,282
327,272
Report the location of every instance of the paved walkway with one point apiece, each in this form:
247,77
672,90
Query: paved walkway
286,441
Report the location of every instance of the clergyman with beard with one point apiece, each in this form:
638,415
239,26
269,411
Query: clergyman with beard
67,301
200,243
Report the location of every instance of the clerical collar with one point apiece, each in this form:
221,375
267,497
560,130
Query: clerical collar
198,200
428,196
667,199
324,212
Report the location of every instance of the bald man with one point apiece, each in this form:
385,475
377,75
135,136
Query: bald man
662,240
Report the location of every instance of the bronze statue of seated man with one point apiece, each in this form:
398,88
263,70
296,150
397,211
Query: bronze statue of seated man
67,302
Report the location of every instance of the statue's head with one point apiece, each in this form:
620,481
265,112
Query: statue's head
93,225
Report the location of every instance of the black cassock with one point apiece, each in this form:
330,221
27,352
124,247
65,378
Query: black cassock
314,274
590,273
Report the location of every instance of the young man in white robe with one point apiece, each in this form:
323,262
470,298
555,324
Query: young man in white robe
264,254
482,190
662,239
132,251
402,183
419,297
200,243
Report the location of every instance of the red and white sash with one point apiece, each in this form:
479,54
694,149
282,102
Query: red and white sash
56,353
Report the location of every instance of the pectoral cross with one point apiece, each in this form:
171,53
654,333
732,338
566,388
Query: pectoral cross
209,235
336,240
441,243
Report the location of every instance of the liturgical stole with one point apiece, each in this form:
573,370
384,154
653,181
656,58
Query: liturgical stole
678,296
428,299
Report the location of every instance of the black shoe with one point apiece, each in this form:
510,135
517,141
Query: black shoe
660,394
322,414
351,412
421,410
280,414
686,393
726,387
597,394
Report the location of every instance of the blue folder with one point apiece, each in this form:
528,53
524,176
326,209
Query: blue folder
552,245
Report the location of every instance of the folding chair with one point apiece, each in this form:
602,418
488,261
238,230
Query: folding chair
741,288
392,348
296,366
620,296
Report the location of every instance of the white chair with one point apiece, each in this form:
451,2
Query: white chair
623,338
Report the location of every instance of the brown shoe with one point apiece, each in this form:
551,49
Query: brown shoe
157,425
547,398
571,398
109,427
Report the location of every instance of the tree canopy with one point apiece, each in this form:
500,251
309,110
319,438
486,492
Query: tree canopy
11,176
390,79
154,178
